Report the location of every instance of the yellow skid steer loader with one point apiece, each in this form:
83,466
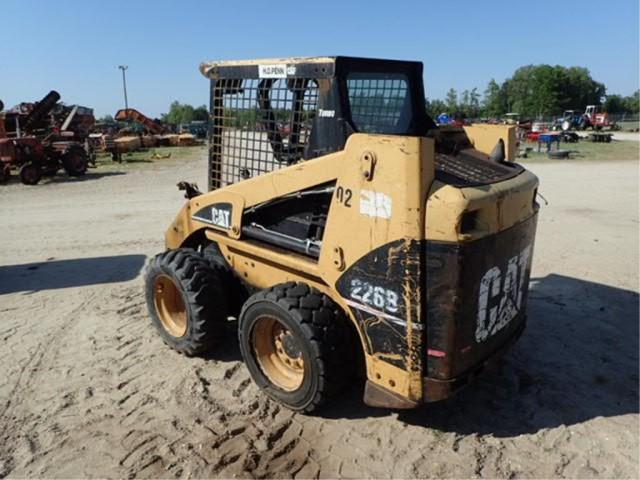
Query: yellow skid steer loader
342,228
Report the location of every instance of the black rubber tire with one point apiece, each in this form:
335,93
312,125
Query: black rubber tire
237,289
324,336
203,294
5,173
30,173
75,161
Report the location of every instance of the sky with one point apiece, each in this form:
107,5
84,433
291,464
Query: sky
75,46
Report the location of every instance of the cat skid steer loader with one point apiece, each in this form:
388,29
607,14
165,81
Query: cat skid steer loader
343,228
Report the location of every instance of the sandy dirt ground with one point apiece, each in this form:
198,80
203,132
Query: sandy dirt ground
88,389
634,136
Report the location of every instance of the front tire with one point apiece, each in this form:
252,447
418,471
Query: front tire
5,173
297,345
30,173
186,300
75,161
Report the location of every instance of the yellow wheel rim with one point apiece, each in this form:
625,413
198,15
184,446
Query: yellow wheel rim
170,306
278,353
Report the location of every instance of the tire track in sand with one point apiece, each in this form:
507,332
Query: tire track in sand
190,415
14,416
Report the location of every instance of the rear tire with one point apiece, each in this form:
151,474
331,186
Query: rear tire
30,173
75,161
297,345
186,299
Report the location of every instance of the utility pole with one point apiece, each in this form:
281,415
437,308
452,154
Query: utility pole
124,84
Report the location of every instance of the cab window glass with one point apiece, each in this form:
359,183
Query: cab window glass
380,102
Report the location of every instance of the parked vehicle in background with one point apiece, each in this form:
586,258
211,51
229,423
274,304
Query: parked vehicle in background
443,119
197,128
511,118
43,138
597,120
151,125
570,120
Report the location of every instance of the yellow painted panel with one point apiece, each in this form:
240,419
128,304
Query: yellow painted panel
485,137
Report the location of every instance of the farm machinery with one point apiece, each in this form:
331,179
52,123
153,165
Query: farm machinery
135,131
570,120
591,118
131,114
42,138
161,134
597,120
362,240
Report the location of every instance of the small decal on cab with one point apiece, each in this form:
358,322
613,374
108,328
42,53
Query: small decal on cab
277,70
218,215
375,204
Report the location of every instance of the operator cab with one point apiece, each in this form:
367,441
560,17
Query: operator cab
267,114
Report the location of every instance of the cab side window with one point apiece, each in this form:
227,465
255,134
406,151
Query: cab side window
380,102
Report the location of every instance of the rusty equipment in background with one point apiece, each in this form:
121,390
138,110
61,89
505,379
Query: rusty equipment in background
595,119
131,114
118,140
40,139
40,110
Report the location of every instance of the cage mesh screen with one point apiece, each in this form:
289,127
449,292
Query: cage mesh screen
259,125
379,103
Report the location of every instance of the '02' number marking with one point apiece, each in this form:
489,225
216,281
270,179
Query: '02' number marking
344,196
373,295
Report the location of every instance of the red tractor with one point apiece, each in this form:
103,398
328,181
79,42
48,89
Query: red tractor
597,120
36,148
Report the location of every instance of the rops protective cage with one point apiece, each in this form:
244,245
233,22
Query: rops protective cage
266,114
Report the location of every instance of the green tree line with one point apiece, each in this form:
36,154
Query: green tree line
532,91
535,91
184,113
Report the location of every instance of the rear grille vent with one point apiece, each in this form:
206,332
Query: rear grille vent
465,170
